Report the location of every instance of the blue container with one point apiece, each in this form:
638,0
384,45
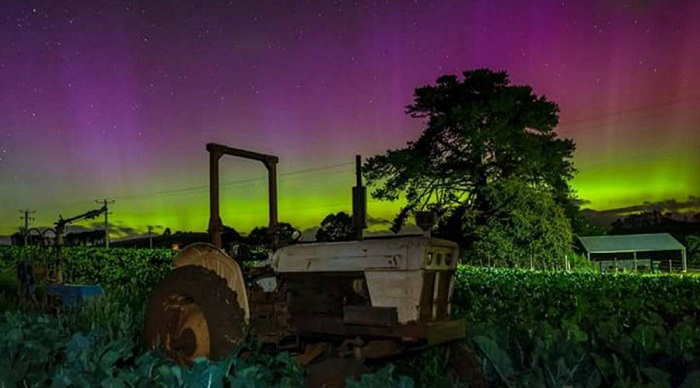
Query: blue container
73,294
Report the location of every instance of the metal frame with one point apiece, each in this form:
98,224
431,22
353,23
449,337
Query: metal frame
216,151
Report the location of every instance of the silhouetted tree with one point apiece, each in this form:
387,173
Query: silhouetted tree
91,238
229,235
336,227
259,235
480,130
17,238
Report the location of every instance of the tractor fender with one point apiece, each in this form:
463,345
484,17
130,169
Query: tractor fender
208,256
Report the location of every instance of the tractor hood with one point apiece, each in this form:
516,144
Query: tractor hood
396,253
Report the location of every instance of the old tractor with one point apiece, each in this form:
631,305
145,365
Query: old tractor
356,300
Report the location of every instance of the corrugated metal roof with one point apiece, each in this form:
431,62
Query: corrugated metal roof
631,243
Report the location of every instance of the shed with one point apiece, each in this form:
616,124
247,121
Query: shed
656,250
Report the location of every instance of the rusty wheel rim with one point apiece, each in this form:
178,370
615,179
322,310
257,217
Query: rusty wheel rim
187,335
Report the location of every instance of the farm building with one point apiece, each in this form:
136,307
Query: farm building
657,251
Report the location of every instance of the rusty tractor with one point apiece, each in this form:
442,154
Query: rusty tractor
335,302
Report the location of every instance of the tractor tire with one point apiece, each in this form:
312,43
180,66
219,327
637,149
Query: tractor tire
193,313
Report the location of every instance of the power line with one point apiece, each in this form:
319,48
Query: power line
104,203
234,183
237,183
644,109
309,207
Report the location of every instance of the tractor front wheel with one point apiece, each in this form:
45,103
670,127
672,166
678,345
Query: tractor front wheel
193,313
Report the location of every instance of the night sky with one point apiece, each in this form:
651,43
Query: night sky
116,100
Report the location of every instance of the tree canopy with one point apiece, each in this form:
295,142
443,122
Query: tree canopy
523,227
260,235
480,129
336,227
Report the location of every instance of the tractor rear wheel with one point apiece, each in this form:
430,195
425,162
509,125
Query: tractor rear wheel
193,313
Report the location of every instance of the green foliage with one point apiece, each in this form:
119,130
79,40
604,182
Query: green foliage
336,227
280,369
120,269
529,328
29,348
382,378
10,255
479,129
99,344
113,315
522,227
537,328
40,350
692,243
131,273
8,287
427,368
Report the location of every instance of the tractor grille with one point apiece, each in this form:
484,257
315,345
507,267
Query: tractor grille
434,300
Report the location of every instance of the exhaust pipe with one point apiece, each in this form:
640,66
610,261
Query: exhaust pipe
359,201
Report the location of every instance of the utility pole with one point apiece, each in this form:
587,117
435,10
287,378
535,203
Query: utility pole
104,203
150,237
26,219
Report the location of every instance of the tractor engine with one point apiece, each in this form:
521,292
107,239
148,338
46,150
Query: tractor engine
396,288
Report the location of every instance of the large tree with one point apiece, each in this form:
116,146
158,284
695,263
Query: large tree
480,129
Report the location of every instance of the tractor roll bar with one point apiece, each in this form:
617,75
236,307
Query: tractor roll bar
216,151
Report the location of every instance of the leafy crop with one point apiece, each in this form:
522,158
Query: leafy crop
40,350
528,328
131,273
583,329
99,343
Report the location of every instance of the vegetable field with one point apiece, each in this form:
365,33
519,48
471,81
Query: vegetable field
583,329
527,328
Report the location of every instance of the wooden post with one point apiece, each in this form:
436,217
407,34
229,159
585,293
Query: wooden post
683,260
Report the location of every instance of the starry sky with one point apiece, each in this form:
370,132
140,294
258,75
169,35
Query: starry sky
117,99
